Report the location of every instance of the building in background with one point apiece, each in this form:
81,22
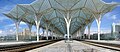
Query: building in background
116,30
25,34
116,27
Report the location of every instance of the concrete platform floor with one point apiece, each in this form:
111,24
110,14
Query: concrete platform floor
74,46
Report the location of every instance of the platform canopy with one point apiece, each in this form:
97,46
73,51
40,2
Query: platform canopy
58,14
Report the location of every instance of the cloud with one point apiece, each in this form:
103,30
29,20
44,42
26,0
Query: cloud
9,32
114,17
11,24
1,31
110,16
107,15
22,23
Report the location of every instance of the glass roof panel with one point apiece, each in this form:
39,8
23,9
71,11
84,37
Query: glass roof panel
67,4
45,5
80,4
37,4
27,8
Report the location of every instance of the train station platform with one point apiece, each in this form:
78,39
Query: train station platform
106,41
20,42
75,46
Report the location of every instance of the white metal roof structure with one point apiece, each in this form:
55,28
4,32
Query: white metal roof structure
61,16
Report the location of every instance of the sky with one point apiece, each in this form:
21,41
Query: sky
7,25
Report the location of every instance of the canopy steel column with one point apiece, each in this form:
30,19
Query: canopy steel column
52,34
98,20
37,26
98,24
79,34
89,25
43,32
55,35
82,32
37,22
68,21
17,29
47,25
30,27
47,33
68,26
52,31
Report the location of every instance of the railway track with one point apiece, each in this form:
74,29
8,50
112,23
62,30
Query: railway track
25,47
111,46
